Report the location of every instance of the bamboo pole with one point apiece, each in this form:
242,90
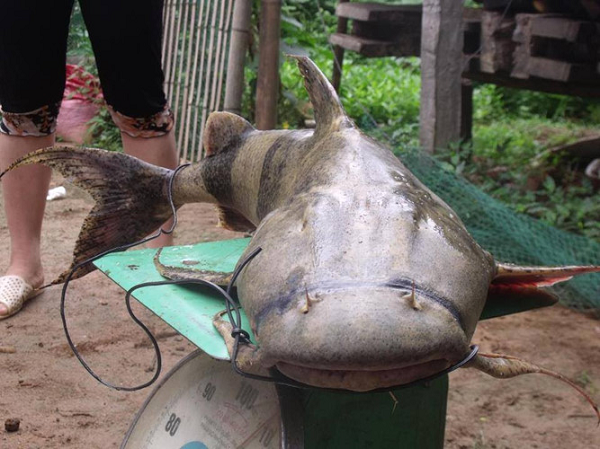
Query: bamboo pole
166,20
226,46
171,41
240,38
183,74
190,141
209,66
188,88
177,39
197,135
218,51
268,65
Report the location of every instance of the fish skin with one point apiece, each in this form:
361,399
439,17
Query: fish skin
347,234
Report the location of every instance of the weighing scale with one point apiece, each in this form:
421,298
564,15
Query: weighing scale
202,403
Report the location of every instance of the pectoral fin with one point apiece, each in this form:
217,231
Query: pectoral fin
248,357
526,277
185,274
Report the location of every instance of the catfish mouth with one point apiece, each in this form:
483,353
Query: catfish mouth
363,380
378,340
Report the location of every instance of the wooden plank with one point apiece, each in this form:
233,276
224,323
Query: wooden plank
586,148
561,71
522,53
497,46
576,52
441,67
372,48
369,12
562,28
554,38
537,84
398,30
513,5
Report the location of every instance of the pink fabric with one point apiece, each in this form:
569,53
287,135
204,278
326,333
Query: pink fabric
81,101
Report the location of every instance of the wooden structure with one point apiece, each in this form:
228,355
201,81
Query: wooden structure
506,43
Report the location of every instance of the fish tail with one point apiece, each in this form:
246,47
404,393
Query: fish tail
131,197
505,367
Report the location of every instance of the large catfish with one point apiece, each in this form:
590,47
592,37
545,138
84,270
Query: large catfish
366,279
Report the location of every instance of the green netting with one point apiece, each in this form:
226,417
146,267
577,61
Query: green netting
512,237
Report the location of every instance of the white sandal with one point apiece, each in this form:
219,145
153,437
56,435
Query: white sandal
14,291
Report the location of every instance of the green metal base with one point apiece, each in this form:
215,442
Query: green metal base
374,420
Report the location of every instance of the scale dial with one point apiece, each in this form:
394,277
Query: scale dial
202,404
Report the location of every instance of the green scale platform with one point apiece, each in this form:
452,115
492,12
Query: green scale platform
328,419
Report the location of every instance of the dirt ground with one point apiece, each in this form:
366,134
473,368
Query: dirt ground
61,406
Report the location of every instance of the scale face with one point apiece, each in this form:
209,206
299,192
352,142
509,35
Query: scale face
202,404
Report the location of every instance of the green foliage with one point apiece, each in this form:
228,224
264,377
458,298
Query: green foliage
104,133
79,47
510,161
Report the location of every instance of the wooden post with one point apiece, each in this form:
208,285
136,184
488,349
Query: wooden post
466,110
240,37
441,67
268,64
338,53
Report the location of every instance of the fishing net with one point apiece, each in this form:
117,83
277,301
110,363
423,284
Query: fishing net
512,237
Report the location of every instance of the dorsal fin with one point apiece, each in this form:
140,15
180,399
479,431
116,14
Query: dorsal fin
329,113
223,130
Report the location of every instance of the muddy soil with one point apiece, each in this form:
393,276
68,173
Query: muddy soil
61,406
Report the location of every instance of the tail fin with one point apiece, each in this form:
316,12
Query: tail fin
131,197
504,367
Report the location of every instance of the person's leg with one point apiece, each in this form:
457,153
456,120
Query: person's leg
24,193
158,151
33,37
128,55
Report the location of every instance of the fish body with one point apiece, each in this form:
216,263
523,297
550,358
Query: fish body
365,279
346,232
